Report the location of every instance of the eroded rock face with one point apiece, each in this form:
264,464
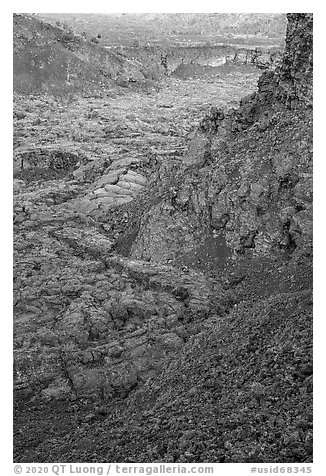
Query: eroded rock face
248,172
297,67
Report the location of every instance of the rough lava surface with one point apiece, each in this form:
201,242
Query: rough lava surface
163,269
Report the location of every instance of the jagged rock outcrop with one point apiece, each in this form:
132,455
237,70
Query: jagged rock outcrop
247,176
296,72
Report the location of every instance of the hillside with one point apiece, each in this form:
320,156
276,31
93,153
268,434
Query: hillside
51,59
163,268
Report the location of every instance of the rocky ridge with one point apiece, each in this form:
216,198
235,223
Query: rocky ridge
257,198
49,59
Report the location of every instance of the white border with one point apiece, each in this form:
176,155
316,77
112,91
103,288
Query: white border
319,180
